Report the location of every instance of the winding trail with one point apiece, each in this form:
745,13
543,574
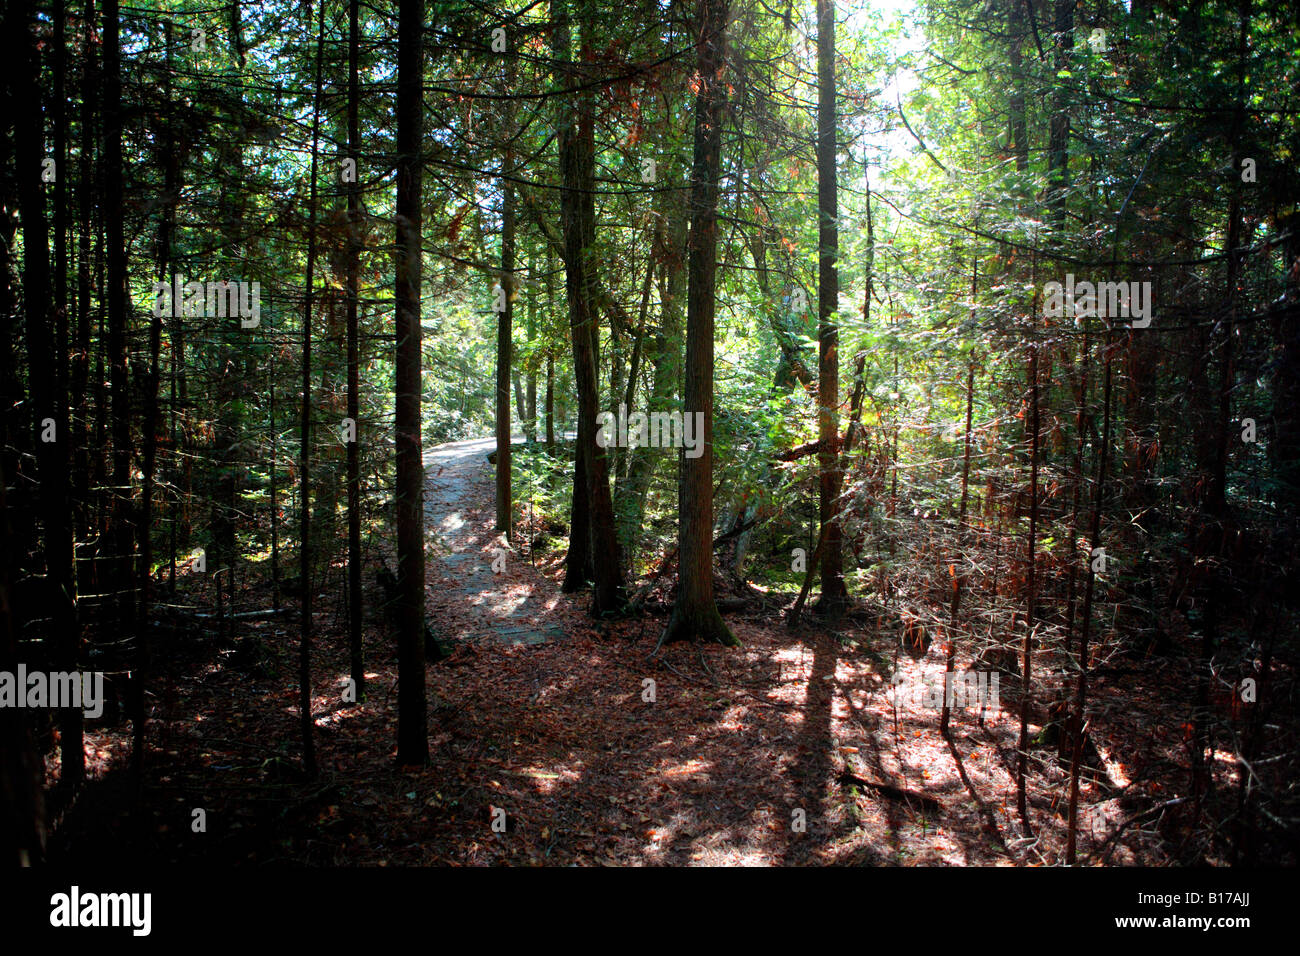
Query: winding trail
509,606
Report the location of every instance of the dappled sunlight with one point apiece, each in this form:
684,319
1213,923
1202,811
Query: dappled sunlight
691,768
937,372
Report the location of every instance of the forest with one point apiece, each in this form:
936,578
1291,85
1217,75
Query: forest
667,433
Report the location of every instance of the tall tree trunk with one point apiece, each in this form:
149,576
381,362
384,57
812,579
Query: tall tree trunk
1031,579
72,752
530,400
15,422
121,540
1215,507
695,614
58,107
165,274
665,355
505,332
548,399
304,452
959,581
166,236
578,212
1016,95
354,356
579,567
412,730
15,418
1058,147
273,481
550,403
833,593
103,499
49,407
521,407
1078,725
85,202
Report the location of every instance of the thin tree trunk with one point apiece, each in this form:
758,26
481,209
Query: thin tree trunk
695,614
550,403
579,567
58,107
1016,95
665,356
1058,148
121,540
355,596
1031,580
412,730
548,399
304,452
530,391
167,229
1216,502
1078,725
72,750
85,202
505,332
593,505
275,490
834,595
49,407
959,580
103,499
814,560
521,407
165,275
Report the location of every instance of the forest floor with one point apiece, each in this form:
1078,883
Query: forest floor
789,750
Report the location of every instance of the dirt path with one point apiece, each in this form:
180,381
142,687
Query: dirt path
467,599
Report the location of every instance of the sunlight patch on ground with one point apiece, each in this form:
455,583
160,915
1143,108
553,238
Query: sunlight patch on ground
1114,769
506,607
734,718
545,780
692,767
338,717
